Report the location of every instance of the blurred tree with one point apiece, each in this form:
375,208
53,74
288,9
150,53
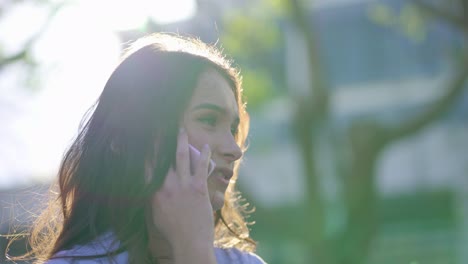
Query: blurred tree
365,139
23,55
254,39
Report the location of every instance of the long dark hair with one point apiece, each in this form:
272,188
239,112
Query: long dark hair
101,183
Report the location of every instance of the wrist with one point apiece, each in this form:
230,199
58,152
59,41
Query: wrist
194,253
183,246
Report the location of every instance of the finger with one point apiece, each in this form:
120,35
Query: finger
203,163
182,155
171,178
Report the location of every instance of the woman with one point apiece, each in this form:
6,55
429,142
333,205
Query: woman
126,191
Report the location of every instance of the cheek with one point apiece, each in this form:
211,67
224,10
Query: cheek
198,138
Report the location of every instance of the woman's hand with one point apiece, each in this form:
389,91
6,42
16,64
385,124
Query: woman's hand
181,209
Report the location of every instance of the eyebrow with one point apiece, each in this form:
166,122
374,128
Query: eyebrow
215,108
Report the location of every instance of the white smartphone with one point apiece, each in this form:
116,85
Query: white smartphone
195,156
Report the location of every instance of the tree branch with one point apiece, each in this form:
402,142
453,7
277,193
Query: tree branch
319,100
22,54
464,4
13,58
455,88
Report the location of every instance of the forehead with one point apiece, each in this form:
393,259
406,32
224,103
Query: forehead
213,88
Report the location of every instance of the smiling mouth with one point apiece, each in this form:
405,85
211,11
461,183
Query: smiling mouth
224,175
227,174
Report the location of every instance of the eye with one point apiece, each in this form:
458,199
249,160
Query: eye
208,120
235,127
234,130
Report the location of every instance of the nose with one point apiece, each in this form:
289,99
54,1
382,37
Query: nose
229,150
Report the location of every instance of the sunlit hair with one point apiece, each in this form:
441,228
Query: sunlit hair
101,183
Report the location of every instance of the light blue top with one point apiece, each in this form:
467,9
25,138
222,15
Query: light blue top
104,244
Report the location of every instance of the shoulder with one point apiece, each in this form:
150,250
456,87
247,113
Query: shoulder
77,255
58,261
236,256
62,258
121,258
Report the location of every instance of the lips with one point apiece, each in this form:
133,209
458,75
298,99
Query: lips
224,174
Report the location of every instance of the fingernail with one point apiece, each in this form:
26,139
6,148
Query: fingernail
181,130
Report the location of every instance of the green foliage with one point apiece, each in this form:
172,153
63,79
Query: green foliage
277,7
257,86
413,23
410,21
382,15
246,35
251,36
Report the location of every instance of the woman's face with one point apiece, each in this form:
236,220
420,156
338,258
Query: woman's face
212,118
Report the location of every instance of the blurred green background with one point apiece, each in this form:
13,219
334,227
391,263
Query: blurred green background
359,114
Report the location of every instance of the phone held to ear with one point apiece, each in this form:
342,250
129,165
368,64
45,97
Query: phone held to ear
195,156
